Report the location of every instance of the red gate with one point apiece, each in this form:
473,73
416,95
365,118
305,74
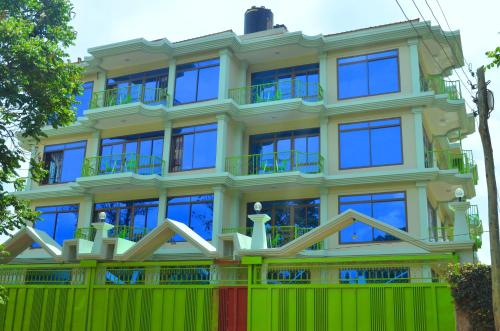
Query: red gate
233,308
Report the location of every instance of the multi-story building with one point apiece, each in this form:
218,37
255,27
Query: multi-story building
351,142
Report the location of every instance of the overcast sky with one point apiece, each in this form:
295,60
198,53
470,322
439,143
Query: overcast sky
101,22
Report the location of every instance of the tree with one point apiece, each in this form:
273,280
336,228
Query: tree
37,88
495,56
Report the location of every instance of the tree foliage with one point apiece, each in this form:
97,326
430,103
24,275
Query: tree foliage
495,56
37,84
471,289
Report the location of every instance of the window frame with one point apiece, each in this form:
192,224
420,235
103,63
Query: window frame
56,212
88,83
132,207
197,79
45,180
405,200
173,165
292,210
339,131
367,78
161,79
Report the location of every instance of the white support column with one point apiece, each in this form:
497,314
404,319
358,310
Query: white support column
323,210
93,144
167,137
162,206
460,226
171,81
243,74
218,215
419,136
323,144
422,210
323,73
414,65
224,72
100,82
85,211
29,179
238,135
235,210
222,128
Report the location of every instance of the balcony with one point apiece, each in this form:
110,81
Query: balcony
447,233
277,162
280,90
437,84
122,231
462,160
127,95
277,236
119,163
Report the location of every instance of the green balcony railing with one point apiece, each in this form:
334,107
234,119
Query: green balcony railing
276,162
118,163
277,236
475,225
437,84
279,90
126,95
462,160
120,231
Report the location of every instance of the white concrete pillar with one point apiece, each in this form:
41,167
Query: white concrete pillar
162,206
218,215
323,211
323,73
167,139
422,210
28,185
171,81
419,136
414,66
235,210
224,73
460,225
93,144
323,144
222,128
85,211
100,82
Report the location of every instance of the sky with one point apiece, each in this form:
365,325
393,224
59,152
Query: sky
100,22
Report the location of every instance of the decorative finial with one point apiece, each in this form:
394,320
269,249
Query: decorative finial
257,207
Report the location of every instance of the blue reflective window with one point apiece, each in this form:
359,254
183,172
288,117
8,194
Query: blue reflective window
302,213
370,144
140,153
370,74
132,219
389,208
195,211
197,81
193,147
285,83
82,101
285,151
63,162
59,222
375,276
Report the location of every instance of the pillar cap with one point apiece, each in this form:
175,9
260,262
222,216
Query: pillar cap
459,205
259,218
102,226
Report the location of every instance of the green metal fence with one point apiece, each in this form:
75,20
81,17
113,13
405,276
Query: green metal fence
280,90
120,231
439,85
126,95
462,160
277,162
118,163
475,225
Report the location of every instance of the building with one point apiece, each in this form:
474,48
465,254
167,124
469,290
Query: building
351,142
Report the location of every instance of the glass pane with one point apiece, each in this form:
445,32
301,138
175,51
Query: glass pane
357,232
382,54
205,145
72,164
135,92
187,152
201,219
300,86
152,217
66,226
46,223
313,86
208,83
386,146
179,213
393,213
383,76
284,88
82,102
125,216
185,87
352,80
284,155
354,149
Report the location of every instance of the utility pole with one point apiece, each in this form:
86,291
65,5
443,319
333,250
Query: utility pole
484,131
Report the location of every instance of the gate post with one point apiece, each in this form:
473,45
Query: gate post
252,262
90,266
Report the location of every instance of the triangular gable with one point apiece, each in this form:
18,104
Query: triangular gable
342,221
160,235
25,237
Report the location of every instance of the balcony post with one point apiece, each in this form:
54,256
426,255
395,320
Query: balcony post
162,206
323,210
414,65
218,215
419,137
85,211
234,222
323,74
423,232
100,86
222,127
167,137
93,144
171,82
460,226
224,73
29,179
323,132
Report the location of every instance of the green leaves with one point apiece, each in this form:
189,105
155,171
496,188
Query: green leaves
495,55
